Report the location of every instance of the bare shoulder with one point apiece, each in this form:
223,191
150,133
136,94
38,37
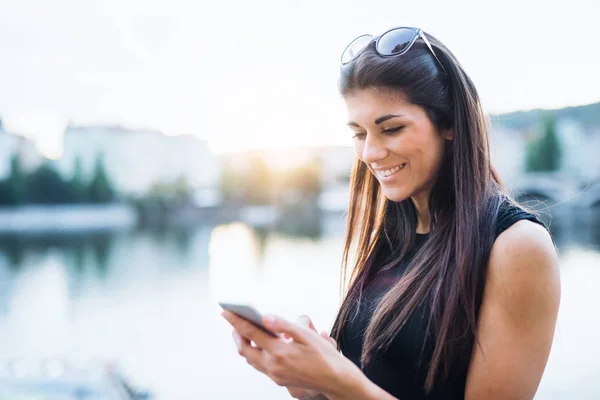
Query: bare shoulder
523,243
523,262
518,315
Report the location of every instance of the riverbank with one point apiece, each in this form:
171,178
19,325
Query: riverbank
67,218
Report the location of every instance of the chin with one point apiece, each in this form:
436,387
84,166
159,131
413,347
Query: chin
395,194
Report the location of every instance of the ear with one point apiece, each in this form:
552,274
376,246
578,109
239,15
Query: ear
449,134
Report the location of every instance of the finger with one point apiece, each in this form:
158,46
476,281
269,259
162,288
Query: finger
239,340
249,330
235,333
331,340
297,332
306,321
253,355
297,392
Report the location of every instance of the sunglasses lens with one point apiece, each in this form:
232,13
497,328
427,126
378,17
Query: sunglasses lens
396,41
355,48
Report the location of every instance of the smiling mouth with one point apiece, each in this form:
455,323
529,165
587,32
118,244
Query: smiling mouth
385,173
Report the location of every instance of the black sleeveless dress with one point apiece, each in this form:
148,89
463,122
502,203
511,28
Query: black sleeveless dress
398,370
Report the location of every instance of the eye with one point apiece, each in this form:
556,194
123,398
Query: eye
359,135
392,131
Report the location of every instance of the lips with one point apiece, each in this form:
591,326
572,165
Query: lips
386,173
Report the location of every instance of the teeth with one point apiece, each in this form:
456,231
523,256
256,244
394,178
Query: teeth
388,172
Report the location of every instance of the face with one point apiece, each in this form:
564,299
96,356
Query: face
397,141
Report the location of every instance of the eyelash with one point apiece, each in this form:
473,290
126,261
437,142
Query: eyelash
387,132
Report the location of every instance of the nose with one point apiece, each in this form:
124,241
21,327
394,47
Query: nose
373,149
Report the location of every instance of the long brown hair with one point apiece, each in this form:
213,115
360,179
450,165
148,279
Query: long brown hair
449,271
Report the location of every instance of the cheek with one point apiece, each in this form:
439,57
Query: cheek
427,159
434,161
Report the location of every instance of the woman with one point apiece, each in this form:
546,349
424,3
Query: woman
454,289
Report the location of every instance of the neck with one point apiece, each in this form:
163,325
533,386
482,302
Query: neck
421,204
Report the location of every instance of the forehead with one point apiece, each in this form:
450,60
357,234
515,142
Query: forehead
368,104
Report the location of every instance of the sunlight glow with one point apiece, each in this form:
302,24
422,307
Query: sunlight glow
233,263
179,68
44,127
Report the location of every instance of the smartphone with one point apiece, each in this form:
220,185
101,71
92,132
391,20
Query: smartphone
248,313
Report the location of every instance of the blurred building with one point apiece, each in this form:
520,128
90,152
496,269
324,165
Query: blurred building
336,164
580,149
507,148
11,145
135,160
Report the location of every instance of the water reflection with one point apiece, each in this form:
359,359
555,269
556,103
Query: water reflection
147,298
39,302
235,252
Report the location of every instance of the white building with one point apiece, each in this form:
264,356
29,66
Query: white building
137,159
337,164
579,146
507,150
592,146
580,149
10,145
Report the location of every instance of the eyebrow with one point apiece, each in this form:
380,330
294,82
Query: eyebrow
378,121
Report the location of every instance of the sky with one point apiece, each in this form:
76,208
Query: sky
262,73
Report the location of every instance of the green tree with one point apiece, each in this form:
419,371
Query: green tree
100,189
308,178
257,189
178,191
532,156
79,189
17,180
250,183
46,186
12,188
544,152
229,183
5,194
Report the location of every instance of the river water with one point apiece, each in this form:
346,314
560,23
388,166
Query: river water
147,299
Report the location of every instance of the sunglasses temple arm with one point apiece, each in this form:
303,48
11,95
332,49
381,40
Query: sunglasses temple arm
431,48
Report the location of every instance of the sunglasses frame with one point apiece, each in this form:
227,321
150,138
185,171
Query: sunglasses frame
418,33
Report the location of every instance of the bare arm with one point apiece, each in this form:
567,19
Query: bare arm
518,316
358,387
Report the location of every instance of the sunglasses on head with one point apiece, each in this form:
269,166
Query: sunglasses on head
395,42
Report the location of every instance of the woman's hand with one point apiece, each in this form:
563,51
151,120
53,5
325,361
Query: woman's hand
298,392
308,360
